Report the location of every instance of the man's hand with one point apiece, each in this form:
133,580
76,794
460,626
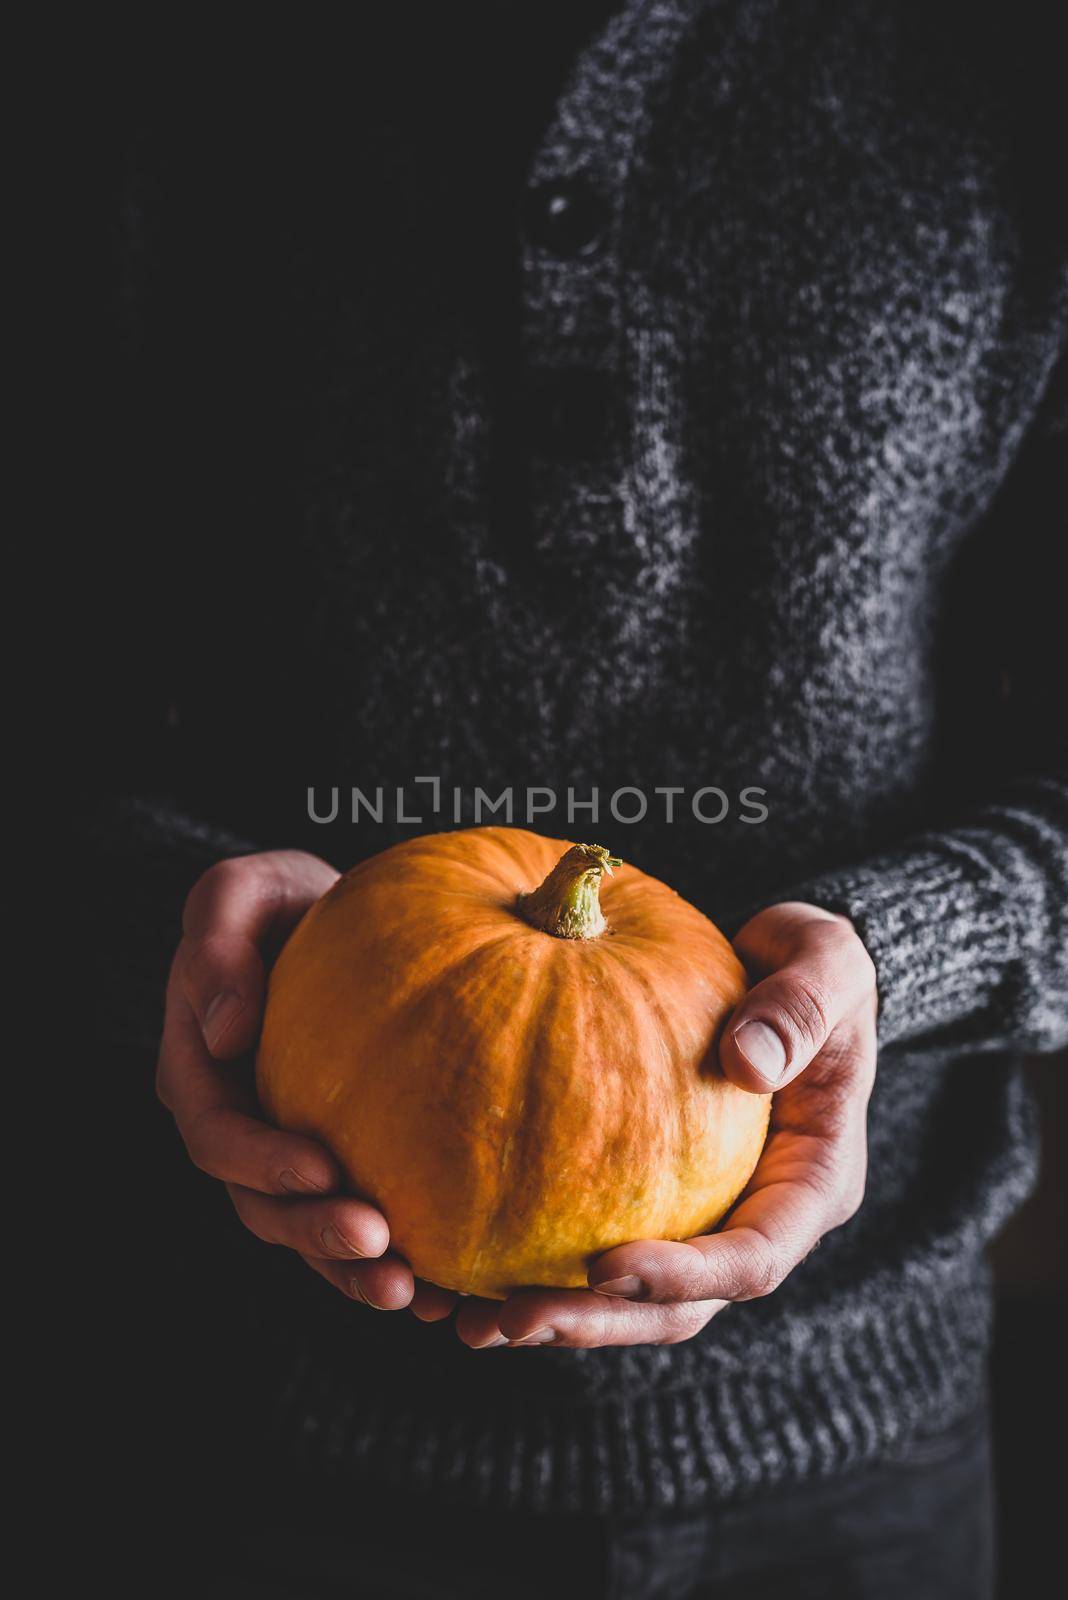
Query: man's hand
283,1186
806,1031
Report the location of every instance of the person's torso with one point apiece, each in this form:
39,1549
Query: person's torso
646,470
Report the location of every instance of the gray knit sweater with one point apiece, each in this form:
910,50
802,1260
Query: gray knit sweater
695,420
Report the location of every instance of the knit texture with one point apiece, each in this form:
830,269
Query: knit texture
755,484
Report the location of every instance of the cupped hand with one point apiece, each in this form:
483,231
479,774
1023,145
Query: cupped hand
806,1031
284,1187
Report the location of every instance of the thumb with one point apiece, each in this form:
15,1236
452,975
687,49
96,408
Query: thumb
786,1020
777,1030
224,981
232,913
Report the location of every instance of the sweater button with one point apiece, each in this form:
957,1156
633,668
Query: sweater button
566,218
569,413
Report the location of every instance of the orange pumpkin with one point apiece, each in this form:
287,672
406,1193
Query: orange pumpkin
519,1079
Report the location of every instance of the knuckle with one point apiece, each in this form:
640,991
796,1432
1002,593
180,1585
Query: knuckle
292,867
763,1274
849,1202
808,1010
683,1323
688,1280
838,1189
211,960
765,1282
840,941
206,887
862,961
601,1325
220,881
199,1139
591,1328
198,954
231,873
851,1065
832,933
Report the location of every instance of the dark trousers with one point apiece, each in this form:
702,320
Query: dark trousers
921,1528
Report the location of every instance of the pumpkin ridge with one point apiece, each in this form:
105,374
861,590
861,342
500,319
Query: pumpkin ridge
657,1056
514,1121
469,1166
524,1151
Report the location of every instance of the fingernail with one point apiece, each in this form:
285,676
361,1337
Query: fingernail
542,1336
294,1182
223,1011
491,1344
628,1288
763,1049
337,1244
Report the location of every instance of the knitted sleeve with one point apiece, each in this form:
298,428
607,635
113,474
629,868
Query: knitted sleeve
968,923
968,928
136,864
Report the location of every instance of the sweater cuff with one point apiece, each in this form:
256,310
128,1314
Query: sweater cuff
137,863
937,927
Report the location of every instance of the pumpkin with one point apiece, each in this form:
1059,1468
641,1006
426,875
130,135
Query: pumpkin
509,1044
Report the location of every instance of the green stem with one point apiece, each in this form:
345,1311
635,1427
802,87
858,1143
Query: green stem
567,904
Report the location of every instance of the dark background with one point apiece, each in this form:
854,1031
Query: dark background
1029,1344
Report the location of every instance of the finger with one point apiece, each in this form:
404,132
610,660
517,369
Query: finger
576,1319
233,910
258,894
224,980
431,1304
341,1229
786,1019
240,1149
212,1111
386,1285
478,1323
802,1189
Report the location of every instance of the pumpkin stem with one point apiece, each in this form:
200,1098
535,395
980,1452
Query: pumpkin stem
567,903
